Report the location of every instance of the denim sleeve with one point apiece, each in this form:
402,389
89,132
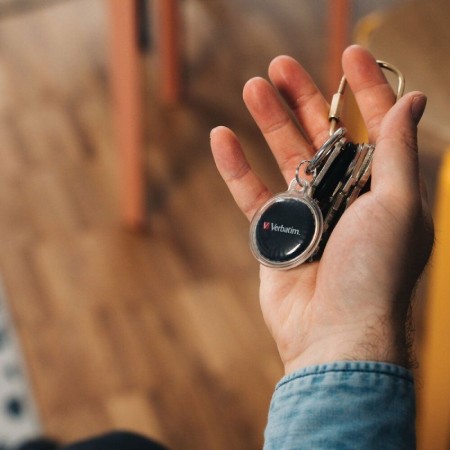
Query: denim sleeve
343,405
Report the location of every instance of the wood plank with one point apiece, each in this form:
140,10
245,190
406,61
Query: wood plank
131,411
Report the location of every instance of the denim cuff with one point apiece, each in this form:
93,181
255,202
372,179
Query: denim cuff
340,370
343,405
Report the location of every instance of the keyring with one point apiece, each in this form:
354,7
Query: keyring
325,150
302,182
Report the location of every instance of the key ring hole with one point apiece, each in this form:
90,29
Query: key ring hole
303,182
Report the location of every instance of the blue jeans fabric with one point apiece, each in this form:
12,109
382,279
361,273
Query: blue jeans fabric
343,405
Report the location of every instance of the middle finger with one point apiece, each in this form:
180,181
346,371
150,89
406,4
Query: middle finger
303,97
287,143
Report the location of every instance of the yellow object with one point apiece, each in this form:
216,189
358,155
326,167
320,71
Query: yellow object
354,122
366,26
433,426
433,386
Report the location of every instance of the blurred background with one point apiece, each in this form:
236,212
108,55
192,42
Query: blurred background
130,296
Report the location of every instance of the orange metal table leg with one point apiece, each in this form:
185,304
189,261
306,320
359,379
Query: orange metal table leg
338,39
126,79
168,15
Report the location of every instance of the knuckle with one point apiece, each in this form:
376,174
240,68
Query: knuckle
276,126
238,173
249,208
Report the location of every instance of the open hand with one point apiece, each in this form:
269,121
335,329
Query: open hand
353,303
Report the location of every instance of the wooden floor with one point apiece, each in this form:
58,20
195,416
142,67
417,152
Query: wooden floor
158,332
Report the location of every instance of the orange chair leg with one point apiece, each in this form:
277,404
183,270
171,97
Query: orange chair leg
169,54
126,79
338,39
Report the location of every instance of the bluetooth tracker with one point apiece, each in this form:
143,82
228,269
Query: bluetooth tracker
286,231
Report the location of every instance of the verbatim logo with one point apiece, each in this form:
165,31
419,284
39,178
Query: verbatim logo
280,228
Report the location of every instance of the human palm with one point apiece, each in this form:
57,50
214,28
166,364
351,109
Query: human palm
353,302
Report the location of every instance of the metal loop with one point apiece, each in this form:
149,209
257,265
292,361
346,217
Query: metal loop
400,77
325,150
301,181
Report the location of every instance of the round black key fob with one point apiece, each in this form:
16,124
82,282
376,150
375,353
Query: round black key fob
287,230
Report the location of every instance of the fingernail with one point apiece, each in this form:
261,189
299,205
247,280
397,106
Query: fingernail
418,107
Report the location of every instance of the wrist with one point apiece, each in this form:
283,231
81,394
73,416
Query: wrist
371,343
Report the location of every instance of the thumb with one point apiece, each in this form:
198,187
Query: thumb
395,170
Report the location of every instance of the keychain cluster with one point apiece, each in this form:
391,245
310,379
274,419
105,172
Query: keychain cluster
293,227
